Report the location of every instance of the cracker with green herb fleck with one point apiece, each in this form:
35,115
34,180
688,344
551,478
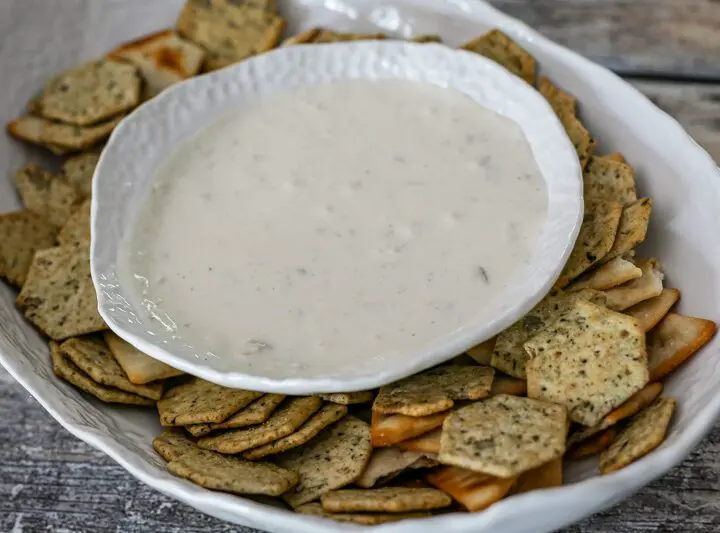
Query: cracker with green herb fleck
675,340
349,398
327,415
504,435
66,137
366,519
50,196
590,360
611,274
607,180
472,490
387,463
255,413
561,101
647,286
650,312
645,432
79,170
139,368
327,36
65,369
434,390
58,295
199,401
632,229
583,142
172,443
76,230
384,500
230,474
502,49
427,38
287,419
595,240
614,156
335,458
22,233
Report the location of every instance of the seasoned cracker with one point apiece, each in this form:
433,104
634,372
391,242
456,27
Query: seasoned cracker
427,443
171,444
76,230
65,137
583,142
607,180
611,274
594,444
434,390
92,356
229,32
137,366
327,36
644,433
79,170
58,295
349,398
22,233
199,401
650,312
543,477
65,369
366,519
336,458
282,423
595,240
51,197
384,500
255,413
675,340
473,491
504,435
427,38
307,36
632,229
230,474
590,359
482,353
91,93
326,416
614,156
502,49
647,286
387,463
508,385
562,102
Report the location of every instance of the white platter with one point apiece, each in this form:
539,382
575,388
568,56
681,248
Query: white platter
671,168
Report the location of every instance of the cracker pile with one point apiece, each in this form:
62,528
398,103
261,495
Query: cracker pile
581,374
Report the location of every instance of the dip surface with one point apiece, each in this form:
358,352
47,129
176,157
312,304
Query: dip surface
336,223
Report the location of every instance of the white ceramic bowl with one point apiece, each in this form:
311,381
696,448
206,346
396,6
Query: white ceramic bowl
682,179
145,140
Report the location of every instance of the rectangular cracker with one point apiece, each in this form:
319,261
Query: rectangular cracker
365,519
611,274
349,398
473,491
650,312
434,390
675,340
51,197
645,432
607,180
76,230
65,369
632,229
92,356
58,295
78,171
384,500
172,443
66,137
230,474
385,464
543,477
22,233
282,423
647,286
499,47
199,401
139,368
336,458
255,413
326,416
482,353
427,443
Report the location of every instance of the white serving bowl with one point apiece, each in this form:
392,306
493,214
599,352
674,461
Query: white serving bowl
144,140
682,179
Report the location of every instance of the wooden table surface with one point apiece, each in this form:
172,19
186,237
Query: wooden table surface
670,50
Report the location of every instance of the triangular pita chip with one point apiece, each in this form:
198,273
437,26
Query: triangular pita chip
391,429
594,444
675,340
650,312
473,491
427,443
387,463
611,274
482,353
138,367
647,286
632,229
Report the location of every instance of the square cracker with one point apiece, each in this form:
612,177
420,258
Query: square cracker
22,233
590,360
562,103
434,390
91,93
503,50
255,413
51,197
230,474
282,423
76,230
611,274
647,286
65,369
543,477
384,500
366,519
644,433
335,458
199,401
595,240
390,429
473,491
139,368
229,32
79,170
504,435
58,295
650,312
349,398
327,415
632,229
93,357
163,58
387,463
607,180
675,340
66,137
172,443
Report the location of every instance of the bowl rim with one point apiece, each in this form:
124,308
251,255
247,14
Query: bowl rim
488,84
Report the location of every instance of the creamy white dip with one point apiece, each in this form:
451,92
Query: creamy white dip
336,222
